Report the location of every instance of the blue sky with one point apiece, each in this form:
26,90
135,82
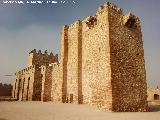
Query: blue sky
28,26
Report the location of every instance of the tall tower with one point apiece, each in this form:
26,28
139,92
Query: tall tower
103,61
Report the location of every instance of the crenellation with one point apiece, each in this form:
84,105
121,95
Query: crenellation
39,52
105,7
33,51
91,22
131,21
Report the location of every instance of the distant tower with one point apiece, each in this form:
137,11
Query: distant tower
38,58
34,82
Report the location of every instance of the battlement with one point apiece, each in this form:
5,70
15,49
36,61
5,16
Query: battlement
74,23
131,20
26,70
34,51
39,58
90,21
107,6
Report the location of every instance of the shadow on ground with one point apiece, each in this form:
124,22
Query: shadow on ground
154,108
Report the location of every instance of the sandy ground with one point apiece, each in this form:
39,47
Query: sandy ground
60,111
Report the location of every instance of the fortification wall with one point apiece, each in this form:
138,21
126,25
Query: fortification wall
102,64
109,58
37,84
63,61
28,82
23,85
56,94
72,64
128,75
46,72
96,74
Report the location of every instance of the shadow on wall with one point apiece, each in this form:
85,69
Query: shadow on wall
154,108
3,119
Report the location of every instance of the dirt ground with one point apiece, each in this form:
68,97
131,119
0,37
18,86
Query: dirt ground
60,111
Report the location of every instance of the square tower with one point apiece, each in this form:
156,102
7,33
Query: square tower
102,58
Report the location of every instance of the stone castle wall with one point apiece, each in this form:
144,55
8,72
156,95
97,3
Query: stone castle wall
128,75
46,72
23,85
63,61
106,52
95,61
28,82
56,92
102,64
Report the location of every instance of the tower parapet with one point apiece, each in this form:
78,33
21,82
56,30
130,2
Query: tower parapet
39,58
107,6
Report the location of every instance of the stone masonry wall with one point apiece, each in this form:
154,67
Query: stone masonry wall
112,59
56,93
43,71
73,67
37,84
96,72
102,64
46,72
153,94
63,61
128,76
28,82
23,88
39,58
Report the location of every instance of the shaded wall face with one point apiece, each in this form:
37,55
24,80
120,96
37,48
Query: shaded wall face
63,62
127,64
46,83
96,84
37,84
25,86
14,90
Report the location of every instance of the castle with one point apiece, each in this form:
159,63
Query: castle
101,64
